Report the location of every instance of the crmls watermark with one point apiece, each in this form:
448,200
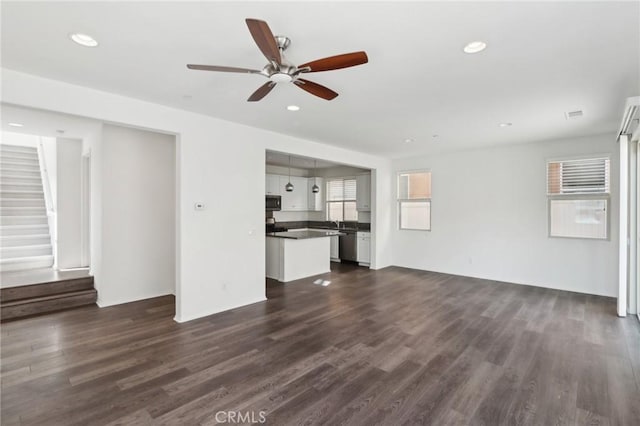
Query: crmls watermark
241,417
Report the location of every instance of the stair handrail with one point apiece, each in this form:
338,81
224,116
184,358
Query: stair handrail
48,199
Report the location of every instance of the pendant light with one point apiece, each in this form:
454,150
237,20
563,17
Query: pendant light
289,187
315,188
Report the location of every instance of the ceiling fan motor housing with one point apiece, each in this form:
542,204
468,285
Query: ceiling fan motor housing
285,72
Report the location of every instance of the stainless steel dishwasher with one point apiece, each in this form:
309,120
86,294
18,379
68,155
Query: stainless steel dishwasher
348,246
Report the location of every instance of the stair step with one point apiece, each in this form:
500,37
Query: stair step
20,230
22,211
25,251
12,167
8,187
46,304
15,230
23,220
17,148
22,194
17,155
22,202
19,162
11,294
24,240
20,180
13,173
12,155
22,263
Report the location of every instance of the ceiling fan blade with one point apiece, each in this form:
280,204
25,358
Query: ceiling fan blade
262,91
316,89
336,62
222,69
263,37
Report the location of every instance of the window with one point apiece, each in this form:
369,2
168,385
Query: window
578,192
414,200
341,200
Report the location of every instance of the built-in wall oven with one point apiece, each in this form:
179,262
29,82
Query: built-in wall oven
273,203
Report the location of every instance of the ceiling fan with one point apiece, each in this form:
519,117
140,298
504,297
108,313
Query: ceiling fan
279,70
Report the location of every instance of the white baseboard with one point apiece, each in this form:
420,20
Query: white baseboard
186,318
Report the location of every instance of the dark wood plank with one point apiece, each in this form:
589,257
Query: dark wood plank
45,289
394,346
45,304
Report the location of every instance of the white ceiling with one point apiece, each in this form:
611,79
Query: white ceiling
543,59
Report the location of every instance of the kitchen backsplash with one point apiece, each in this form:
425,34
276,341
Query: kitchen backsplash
294,224
315,216
293,216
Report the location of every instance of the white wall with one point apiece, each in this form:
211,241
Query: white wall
138,216
92,147
69,203
489,219
284,171
20,139
216,245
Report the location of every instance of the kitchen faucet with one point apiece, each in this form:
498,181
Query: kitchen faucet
337,222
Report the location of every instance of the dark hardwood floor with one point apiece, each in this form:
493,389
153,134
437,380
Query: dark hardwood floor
390,347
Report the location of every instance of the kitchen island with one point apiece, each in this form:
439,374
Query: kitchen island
298,254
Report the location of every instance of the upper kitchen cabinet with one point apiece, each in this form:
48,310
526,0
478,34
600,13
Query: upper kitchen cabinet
315,200
363,193
295,200
272,183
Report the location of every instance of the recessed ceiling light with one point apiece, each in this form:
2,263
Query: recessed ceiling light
475,47
83,39
16,125
293,108
506,124
408,140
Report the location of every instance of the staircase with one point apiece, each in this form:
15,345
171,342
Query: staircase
25,238
36,299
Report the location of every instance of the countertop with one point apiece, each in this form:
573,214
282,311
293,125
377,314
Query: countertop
306,234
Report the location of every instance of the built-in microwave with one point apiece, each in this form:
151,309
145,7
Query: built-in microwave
273,203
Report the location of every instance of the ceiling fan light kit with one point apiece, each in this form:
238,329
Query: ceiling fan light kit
279,70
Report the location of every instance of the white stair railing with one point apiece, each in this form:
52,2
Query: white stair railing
49,202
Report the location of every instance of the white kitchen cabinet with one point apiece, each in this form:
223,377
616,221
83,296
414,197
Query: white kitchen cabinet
273,259
289,259
364,248
315,200
295,200
335,249
363,193
272,185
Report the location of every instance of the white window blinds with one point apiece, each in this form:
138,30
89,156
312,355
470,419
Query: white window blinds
341,190
414,200
414,186
583,176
